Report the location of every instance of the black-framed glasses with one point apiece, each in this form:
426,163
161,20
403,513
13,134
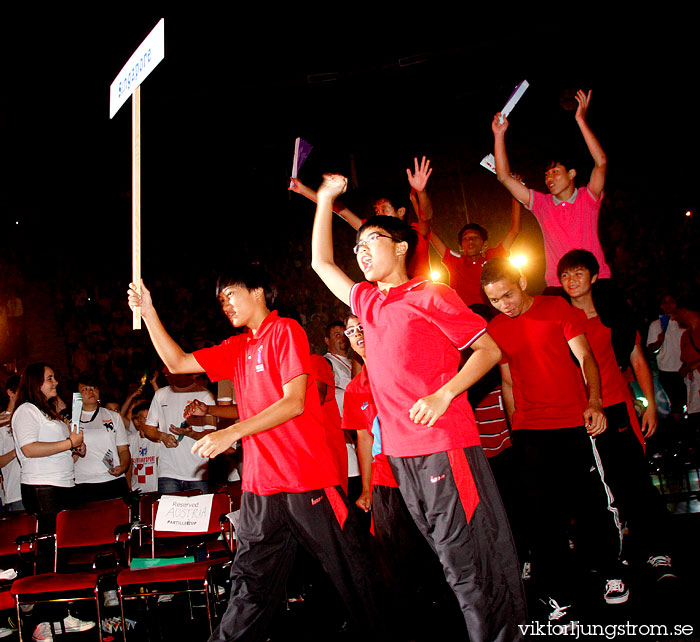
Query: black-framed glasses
356,328
370,240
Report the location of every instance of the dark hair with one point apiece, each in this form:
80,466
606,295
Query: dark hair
88,379
29,390
397,201
578,259
334,324
566,162
250,276
481,231
13,383
349,316
138,407
397,229
499,269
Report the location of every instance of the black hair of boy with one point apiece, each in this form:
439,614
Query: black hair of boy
398,230
578,259
249,276
481,231
499,269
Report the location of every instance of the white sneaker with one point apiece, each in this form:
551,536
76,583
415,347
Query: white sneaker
42,633
5,632
111,598
74,625
616,592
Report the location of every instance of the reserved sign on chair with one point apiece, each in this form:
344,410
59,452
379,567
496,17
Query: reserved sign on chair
183,514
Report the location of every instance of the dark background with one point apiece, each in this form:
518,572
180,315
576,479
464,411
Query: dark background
221,112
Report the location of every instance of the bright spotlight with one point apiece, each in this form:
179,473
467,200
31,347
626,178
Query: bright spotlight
518,261
435,275
688,213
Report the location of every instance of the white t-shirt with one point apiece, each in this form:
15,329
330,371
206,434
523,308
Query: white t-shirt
11,472
30,425
168,407
103,432
669,357
144,462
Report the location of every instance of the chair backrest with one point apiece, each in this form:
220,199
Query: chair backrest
148,500
92,525
13,527
220,505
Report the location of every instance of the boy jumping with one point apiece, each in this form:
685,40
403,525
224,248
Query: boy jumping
414,330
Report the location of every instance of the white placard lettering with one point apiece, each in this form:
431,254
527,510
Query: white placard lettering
142,62
183,514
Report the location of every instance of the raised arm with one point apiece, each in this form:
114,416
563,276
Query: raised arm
513,185
290,405
347,215
486,354
593,415
439,246
642,372
418,181
514,230
174,357
597,181
322,260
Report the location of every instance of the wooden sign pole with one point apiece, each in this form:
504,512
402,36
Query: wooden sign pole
136,198
127,85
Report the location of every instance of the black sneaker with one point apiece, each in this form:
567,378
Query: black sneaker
616,592
660,565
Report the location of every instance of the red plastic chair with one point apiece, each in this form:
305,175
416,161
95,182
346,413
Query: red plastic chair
82,538
158,580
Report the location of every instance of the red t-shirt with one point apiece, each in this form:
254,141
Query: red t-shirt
465,274
413,335
548,387
322,371
359,412
301,454
613,384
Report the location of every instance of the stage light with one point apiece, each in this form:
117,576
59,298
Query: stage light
688,213
519,260
435,275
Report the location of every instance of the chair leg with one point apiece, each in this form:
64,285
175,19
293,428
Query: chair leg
19,620
121,608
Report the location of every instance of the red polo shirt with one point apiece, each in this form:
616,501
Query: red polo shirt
465,274
359,412
413,335
300,454
548,387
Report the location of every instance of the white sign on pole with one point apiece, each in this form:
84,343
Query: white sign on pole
142,62
183,514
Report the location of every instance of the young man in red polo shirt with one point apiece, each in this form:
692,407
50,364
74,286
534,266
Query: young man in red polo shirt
554,419
616,345
413,331
465,268
291,477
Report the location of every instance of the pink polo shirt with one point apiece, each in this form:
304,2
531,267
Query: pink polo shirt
568,225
